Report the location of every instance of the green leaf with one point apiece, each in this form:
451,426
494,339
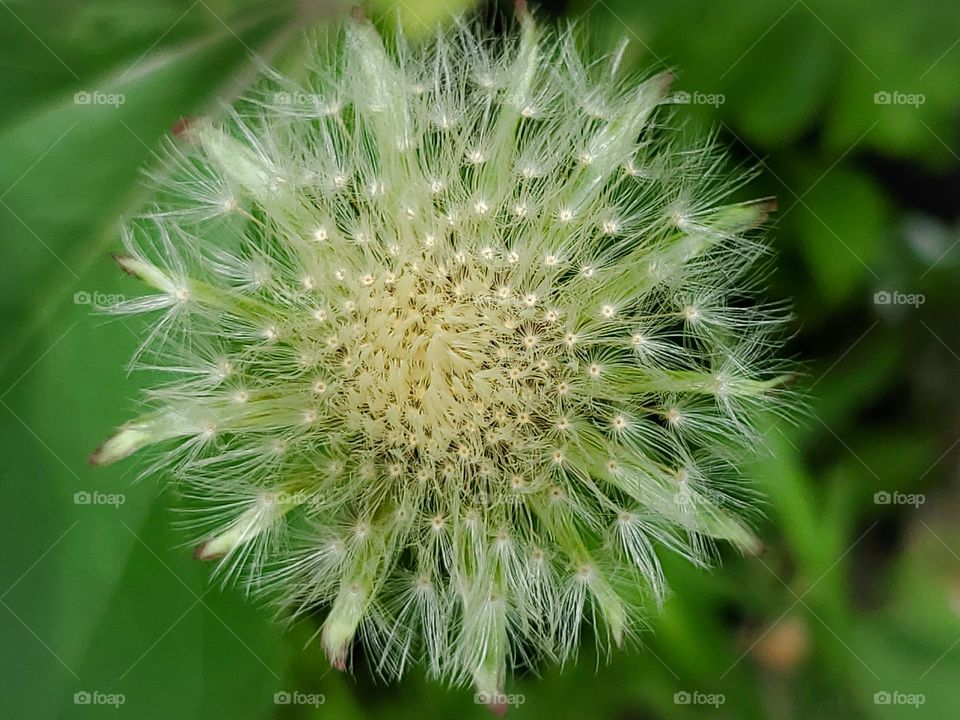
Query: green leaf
86,597
842,222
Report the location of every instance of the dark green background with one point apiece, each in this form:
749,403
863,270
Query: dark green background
850,597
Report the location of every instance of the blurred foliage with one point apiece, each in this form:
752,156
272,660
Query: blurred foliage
850,598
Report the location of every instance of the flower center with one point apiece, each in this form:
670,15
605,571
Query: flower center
439,366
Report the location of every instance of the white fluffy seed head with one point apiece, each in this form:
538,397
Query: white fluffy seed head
433,347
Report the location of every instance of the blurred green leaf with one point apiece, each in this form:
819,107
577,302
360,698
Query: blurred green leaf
841,222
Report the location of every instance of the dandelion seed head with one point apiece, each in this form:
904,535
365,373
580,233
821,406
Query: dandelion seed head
435,389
